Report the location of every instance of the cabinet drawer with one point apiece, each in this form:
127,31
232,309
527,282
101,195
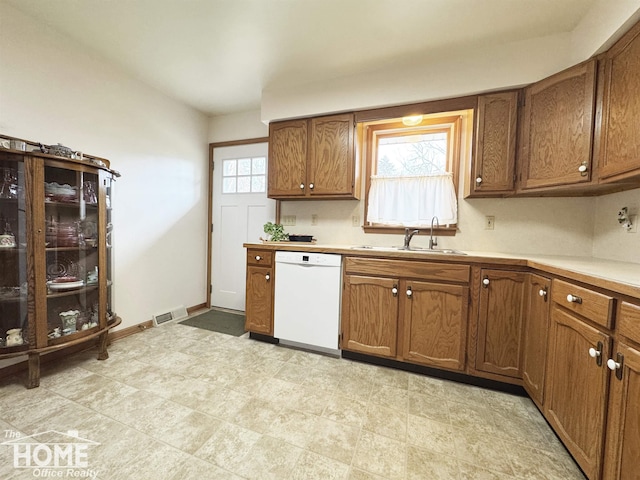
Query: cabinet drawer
260,257
409,269
594,306
629,321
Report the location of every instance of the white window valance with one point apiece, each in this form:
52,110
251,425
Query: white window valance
412,201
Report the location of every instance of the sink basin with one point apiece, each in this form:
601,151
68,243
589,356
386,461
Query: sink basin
445,251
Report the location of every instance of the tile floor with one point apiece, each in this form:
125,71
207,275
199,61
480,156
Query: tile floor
177,402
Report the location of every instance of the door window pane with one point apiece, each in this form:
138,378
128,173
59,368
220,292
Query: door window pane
244,175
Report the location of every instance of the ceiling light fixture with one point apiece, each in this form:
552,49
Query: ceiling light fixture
412,120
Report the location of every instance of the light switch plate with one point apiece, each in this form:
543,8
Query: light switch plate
314,219
288,220
489,222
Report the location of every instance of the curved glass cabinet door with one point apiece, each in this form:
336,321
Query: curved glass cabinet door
16,328
72,222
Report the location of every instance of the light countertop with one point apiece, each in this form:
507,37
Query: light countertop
622,277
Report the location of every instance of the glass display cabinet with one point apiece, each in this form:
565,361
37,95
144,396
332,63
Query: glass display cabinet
56,260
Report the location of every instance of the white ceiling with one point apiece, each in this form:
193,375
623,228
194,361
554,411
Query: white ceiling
218,55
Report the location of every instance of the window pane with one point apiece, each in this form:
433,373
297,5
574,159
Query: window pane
258,183
229,185
412,155
244,166
258,165
229,168
244,184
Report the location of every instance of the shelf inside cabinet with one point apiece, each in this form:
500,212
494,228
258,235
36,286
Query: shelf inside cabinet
72,291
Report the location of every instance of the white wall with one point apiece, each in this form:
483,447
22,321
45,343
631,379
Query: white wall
52,90
237,126
610,240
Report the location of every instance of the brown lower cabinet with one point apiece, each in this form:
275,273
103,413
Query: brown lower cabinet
536,336
390,308
499,345
259,291
622,446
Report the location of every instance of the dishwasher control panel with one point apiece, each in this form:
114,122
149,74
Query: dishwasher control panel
304,258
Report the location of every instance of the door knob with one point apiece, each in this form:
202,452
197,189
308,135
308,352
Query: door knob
616,366
479,180
311,186
597,353
394,290
302,186
258,258
409,292
485,282
267,277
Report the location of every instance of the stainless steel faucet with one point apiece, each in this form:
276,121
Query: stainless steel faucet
408,235
433,242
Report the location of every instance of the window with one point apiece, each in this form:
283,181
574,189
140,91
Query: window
412,170
244,175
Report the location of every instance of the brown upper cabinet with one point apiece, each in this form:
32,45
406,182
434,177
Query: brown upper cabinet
619,147
557,134
314,158
492,171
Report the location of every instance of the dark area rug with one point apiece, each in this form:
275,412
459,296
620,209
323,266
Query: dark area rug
218,321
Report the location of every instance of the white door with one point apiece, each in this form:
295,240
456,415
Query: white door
240,210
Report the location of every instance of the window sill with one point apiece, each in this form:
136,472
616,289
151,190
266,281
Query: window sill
449,231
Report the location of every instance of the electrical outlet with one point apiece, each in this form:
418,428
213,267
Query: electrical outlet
355,220
314,219
289,220
489,222
634,224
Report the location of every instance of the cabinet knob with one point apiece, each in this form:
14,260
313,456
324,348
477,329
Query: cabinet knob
485,282
302,186
542,292
478,180
409,292
616,366
258,258
311,186
597,353
267,277
394,290
573,299
613,365
583,169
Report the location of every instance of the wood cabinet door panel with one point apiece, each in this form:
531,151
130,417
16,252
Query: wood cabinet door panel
536,334
500,322
577,389
620,143
259,301
331,165
495,153
435,324
370,315
287,158
558,128
622,457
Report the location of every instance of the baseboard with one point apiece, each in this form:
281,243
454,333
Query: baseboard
65,352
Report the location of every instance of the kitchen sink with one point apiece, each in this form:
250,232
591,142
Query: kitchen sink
445,251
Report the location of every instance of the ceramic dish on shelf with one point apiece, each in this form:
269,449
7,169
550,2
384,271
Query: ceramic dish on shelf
53,285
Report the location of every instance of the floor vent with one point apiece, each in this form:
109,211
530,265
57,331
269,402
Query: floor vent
175,314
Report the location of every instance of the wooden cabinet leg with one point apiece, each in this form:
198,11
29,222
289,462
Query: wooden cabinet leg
102,346
34,370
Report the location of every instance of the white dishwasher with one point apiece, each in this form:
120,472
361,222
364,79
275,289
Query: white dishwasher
306,311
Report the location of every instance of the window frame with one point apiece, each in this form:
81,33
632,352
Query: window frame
452,122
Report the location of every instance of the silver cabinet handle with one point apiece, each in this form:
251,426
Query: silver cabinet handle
573,299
